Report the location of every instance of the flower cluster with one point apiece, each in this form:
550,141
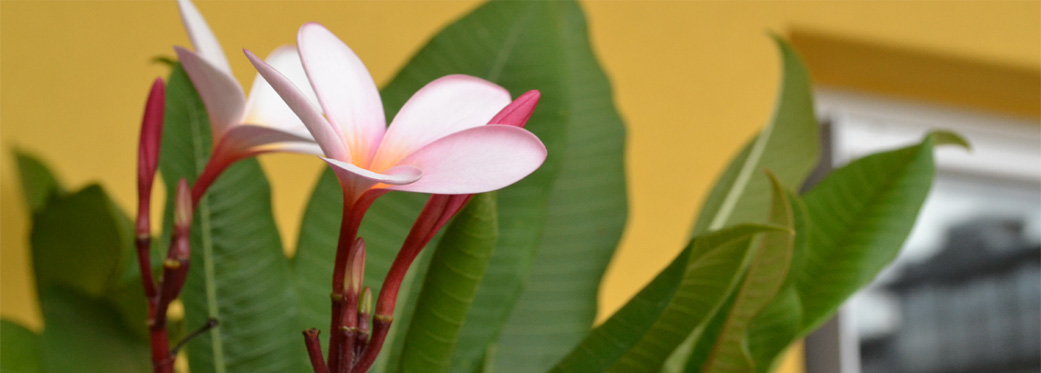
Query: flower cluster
457,136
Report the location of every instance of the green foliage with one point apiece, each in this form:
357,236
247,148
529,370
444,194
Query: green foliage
19,349
84,334
861,214
640,336
83,266
777,325
38,183
238,274
449,287
94,244
725,349
787,146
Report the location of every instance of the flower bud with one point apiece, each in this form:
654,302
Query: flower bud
183,208
519,111
148,153
357,266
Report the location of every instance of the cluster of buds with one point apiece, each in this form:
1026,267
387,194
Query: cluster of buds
175,266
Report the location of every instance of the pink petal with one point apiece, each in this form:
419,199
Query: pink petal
475,160
219,91
323,132
519,111
265,107
345,89
447,105
202,38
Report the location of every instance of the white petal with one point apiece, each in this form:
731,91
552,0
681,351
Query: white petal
265,107
323,132
447,105
219,91
345,89
251,139
203,40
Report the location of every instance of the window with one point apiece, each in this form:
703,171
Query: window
965,293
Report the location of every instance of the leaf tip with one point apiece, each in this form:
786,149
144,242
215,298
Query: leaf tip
943,137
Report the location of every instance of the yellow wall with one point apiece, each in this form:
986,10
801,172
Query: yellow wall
693,80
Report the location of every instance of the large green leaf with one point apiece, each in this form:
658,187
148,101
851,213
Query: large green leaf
82,242
85,273
727,350
19,349
38,182
788,146
640,336
85,334
861,214
774,329
522,46
449,288
587,205
238,274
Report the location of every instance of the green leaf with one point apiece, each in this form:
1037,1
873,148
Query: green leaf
788,146
82,242
680,300
777,324
449,287
85,334
19,349
774,329
87,281
521,46
861,215
38,182
587,206
238,274
766,273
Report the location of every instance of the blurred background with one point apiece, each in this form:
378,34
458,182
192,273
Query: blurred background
693,80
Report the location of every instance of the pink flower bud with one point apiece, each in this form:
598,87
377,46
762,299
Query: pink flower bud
148,153
519,111
183,208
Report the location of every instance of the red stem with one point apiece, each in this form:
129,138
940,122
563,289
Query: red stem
380,326
349,223
162,360
417,238
314,351
209,174
144,264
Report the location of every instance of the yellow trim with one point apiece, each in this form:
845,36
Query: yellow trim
917,74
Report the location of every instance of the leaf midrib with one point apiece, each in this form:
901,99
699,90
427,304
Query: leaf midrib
209,272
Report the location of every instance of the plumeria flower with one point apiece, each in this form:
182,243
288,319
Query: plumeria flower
438,143
241,127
